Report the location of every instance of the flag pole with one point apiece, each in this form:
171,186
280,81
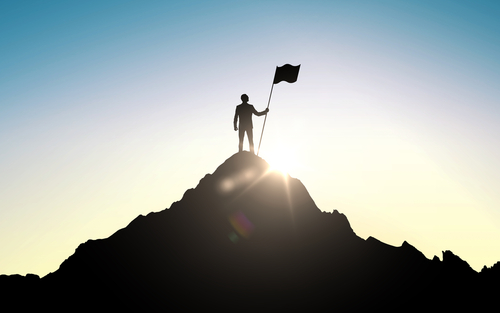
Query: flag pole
262,133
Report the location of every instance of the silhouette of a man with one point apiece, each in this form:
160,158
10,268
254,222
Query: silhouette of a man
244,111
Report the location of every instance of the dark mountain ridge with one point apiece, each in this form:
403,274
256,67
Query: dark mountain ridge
250,238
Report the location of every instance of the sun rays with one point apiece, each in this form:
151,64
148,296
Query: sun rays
281,160
272,182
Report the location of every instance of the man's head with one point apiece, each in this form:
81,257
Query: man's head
244,98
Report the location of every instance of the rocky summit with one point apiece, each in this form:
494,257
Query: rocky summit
251,239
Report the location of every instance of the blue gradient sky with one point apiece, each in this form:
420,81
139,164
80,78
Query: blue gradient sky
111,109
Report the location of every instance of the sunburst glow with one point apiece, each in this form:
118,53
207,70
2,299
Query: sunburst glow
281,160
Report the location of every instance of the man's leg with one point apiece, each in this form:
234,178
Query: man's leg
250,139
241,135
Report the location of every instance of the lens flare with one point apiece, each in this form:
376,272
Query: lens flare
233,237
241,224
237,180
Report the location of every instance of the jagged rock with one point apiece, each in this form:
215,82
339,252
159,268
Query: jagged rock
454,263
250,238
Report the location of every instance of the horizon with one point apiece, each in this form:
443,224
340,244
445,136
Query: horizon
112,110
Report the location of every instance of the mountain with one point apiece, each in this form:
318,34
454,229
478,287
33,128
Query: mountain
250,239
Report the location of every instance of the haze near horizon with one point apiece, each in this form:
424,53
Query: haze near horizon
111,110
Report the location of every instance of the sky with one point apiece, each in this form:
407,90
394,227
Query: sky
112,109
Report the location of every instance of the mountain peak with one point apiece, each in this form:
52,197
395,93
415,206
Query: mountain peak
248,235
245,190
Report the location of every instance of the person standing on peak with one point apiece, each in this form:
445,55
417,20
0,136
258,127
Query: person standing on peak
244,111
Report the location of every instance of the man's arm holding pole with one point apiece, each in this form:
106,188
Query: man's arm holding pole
262,113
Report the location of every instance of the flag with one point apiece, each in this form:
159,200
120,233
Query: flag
287,72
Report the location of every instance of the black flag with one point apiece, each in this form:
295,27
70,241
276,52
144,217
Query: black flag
287,72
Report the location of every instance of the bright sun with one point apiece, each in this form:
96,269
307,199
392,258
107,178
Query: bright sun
280,160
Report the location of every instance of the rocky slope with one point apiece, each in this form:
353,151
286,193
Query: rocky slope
247,238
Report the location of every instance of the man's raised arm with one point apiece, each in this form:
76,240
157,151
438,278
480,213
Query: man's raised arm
261,113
